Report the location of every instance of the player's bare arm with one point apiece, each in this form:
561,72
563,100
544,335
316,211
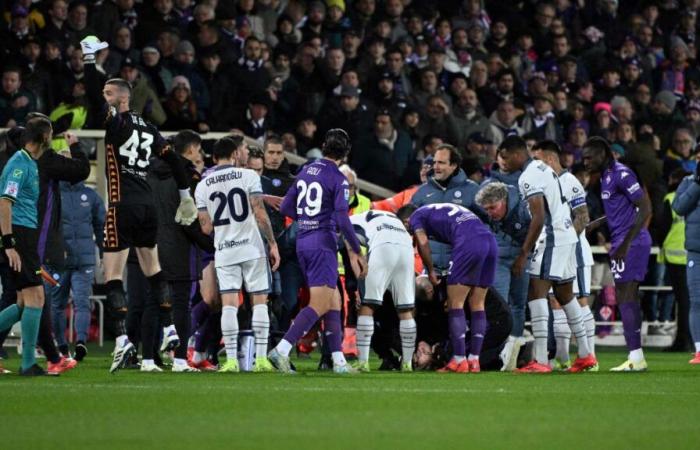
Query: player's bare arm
641,217
581,218
536,204
265,227
205,222
424,252
6,230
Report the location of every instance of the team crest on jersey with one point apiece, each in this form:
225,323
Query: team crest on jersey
607,179
12,189
623,175
458,194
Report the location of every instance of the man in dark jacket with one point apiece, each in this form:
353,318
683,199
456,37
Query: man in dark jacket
179,247
83,220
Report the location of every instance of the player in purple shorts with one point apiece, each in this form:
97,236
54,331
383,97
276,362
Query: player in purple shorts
318,201
627,208
472,271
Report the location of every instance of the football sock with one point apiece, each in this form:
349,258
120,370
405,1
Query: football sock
632,324
284,347
301,325
9,316
574,316
697,347
539,318
198,357
589,323
229,330
478,330
562,334
199,314
31,317
364,331
458,330
407,331
261,329
636,355
333,330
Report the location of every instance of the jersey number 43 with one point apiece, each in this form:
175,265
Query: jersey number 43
131,147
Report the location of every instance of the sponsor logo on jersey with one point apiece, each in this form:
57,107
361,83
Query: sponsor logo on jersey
17,173
231,244
12,188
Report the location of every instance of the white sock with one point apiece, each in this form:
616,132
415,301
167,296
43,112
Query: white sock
697,347
574,316
179,362
589,323
229,330
407,331
636,355
122,340
147,362
539,318
261,329
338,359
562,334
364,332
284,347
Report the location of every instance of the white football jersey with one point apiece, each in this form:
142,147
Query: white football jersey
539,179
576,196
380,227
225,194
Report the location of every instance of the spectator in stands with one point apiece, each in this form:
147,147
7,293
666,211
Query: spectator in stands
383,157
184,65
121,50
77,23
181,108
504,123
15,102
468,112
83,219
541,121
679,155
346,111
439,121
145,100
256,120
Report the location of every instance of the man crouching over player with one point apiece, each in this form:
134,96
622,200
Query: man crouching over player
473,267
230,203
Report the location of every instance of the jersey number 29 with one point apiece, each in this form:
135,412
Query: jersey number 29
131,147
237,203
311,195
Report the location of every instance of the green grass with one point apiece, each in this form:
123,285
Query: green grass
89,408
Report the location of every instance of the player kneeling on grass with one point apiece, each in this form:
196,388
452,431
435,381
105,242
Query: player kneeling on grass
225,199
390,267
473,267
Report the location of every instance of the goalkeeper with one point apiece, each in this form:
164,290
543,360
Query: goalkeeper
132,219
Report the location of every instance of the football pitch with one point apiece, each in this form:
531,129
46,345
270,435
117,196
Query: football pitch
89,408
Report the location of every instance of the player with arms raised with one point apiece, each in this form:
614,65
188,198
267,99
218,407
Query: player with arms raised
628,209
550,247
131,215
318,201
225,199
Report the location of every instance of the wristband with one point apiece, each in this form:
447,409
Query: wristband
184,193
8,241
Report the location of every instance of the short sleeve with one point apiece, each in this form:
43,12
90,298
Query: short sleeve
254,184
627,183
13,181
576,195
200,196
528,185
342,195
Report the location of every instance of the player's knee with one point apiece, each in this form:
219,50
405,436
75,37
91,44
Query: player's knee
116,299
160,291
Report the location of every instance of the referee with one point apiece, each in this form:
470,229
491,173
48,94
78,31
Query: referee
19,195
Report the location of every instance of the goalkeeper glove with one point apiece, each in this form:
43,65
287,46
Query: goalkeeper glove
91,45
186,212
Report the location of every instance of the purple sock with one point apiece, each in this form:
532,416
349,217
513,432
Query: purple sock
478,323
333,331
206,332
301,325
632,324
198,315
458,329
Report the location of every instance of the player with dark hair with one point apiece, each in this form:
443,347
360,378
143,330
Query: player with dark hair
628,209
472,271
19,225
549,251
318,201
132,220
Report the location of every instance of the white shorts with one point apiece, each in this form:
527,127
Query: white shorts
255,273
556,264
390,267
582,284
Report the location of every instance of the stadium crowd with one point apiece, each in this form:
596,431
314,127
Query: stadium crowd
402,78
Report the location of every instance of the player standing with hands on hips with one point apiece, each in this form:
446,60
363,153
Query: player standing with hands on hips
132,220
318,201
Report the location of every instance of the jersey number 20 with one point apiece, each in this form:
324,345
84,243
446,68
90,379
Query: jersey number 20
237,203
131,147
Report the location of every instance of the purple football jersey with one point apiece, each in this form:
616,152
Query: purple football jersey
619,190
447,223
319,191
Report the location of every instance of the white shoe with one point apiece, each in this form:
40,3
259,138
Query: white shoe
121,355
150,367
170,339
345,368
509,354
184,368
